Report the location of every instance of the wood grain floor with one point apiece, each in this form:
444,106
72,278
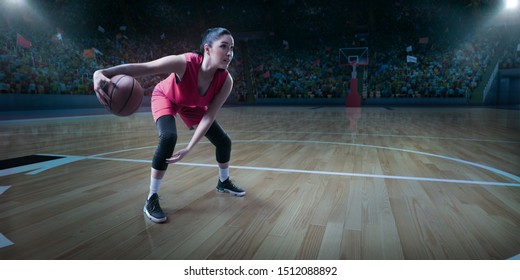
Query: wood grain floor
322,183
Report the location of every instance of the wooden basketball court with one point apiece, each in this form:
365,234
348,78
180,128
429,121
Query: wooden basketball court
322,183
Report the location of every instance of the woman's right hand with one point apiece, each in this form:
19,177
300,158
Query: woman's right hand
177,156
100,83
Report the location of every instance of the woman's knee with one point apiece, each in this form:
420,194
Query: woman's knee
168,138
167,129
225,142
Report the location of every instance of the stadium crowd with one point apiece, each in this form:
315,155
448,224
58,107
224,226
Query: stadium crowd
296,61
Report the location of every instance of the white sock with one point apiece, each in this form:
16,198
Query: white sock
155,185
223,174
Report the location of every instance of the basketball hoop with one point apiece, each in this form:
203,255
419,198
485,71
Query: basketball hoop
353,57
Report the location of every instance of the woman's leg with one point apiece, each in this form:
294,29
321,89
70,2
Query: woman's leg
219,138
167,130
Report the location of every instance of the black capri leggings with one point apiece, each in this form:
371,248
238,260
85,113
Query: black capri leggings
167,130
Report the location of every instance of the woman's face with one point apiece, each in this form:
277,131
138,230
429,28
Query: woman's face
221,51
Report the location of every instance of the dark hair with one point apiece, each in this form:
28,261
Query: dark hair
211,35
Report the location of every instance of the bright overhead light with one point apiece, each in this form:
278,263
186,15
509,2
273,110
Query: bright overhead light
511,4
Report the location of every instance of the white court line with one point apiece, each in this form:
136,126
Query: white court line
497,171
316,172
256,168
503,173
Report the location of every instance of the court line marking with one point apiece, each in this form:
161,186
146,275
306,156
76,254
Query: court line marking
315,172
492,169
38,167
503,173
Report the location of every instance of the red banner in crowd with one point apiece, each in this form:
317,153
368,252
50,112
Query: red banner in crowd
89,53
424,40
21,41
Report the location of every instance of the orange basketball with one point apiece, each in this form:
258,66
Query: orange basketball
126,95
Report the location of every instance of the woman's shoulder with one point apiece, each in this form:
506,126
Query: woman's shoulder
193,57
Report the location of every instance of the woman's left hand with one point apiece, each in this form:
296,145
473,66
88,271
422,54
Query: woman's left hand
177,156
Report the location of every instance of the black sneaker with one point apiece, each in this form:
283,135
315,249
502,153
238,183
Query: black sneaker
153,210
228,187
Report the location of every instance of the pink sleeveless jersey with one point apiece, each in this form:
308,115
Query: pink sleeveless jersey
171,96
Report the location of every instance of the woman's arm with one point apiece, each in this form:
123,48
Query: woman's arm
167,64
207,120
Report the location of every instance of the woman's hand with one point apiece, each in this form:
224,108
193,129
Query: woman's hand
100,83
177,156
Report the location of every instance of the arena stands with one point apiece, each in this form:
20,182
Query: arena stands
71,39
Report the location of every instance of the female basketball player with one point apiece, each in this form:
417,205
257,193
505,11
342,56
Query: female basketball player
196,88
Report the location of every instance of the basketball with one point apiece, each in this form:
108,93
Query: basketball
126,95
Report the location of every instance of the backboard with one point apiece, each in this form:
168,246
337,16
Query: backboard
353,56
